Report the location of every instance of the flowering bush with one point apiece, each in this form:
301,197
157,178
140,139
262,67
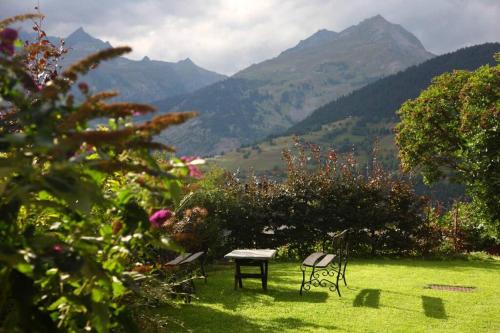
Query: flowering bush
75,202
323,193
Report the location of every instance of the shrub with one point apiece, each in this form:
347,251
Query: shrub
74,201
321,194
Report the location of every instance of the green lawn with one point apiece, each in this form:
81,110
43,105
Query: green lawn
382,296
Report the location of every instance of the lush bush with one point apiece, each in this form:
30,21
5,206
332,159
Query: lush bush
75,202
452,131
466,228
322,194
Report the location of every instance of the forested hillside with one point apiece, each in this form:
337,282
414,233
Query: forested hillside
381,99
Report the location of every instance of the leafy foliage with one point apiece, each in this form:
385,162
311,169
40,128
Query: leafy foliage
453,128
322,194
63,265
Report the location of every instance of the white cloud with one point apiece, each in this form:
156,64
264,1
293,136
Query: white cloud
228,35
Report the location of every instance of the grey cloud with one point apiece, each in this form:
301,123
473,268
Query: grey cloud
228,35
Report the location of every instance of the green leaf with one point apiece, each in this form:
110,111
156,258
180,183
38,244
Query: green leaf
118,287
59,301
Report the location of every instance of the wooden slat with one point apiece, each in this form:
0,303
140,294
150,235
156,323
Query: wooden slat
325,261
312,259
255,254
193,257
178,260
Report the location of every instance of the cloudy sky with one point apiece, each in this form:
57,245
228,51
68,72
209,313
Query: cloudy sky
229,35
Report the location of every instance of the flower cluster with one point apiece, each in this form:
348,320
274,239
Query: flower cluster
7,38
159,217
191,162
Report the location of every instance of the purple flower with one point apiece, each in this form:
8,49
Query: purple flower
8,35
159,217
7,48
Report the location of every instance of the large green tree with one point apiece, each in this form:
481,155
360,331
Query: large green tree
453,130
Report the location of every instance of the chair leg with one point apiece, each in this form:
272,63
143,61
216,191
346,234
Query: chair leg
343,274
192,284
337,284
202,267
303,281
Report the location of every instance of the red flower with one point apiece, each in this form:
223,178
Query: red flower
84,88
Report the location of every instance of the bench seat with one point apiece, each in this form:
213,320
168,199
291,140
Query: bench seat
325,261
313,259
178,260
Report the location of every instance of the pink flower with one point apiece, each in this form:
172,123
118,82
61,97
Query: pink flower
58,248
159,217
195,172
187,159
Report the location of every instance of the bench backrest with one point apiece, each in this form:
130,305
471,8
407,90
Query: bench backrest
341,246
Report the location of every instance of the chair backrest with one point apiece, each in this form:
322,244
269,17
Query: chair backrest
341,246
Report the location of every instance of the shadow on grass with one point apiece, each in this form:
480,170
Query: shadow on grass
454,264
294,323
434,307
196,318
232,299
367,297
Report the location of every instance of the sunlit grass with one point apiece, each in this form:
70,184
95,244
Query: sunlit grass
382,296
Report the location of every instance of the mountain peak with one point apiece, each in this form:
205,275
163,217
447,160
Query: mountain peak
377,22
186,61
80,35
378,29
319,38
377,19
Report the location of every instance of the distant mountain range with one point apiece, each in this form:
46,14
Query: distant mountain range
361,118
379,101
138,81
271,96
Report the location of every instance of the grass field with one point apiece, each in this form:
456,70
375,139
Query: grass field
382,296
269,156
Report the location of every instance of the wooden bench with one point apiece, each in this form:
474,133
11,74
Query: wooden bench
187,263
325,267
188,260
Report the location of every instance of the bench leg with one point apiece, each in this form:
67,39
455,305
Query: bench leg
343,274
202,267
337,284
303,281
